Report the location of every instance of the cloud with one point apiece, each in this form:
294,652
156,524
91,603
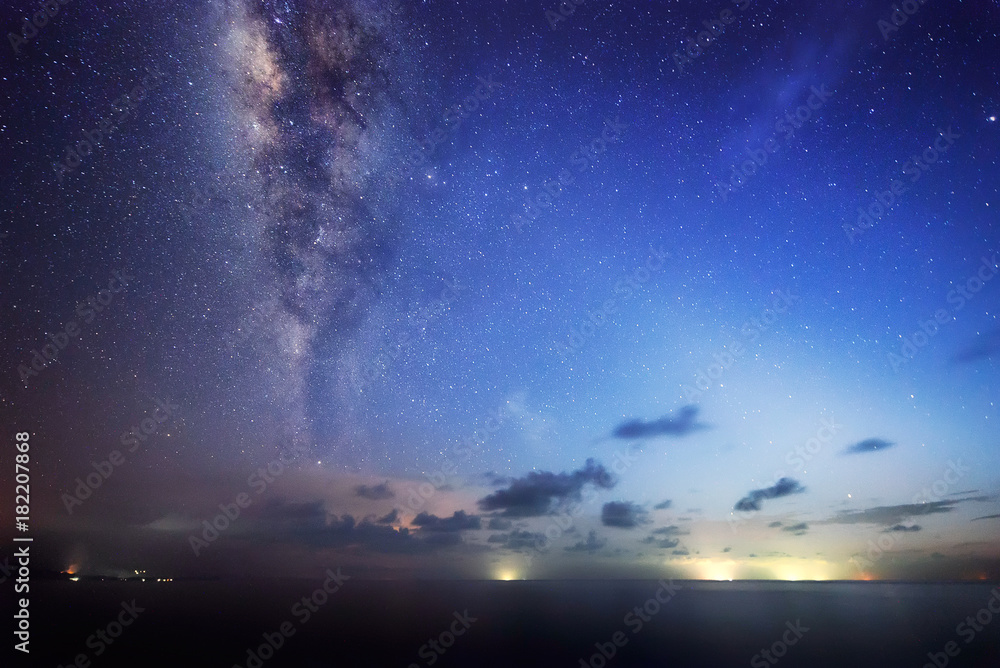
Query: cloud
891,515
309,524
783,487
986,517
663,543
592,544
375,492
799,529
666,426
985,346
499,524
390,518
680,553
459,521
663,505
538,492
672,530
868,445
903,527
774,524
727,549
518,539
494,478
623,514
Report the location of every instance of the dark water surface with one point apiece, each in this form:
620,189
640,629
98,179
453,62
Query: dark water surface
523,623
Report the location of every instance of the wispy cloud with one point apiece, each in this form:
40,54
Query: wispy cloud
985,346
592,544
375,492
799,529
889,516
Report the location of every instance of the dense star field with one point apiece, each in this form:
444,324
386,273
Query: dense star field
501,291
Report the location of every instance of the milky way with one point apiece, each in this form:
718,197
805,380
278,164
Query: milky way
313,83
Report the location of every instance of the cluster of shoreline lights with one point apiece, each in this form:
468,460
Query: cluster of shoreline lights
139,575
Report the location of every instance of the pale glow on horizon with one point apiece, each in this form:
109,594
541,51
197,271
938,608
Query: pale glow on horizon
785,569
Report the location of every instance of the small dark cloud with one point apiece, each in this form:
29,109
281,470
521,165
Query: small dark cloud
783,487
459,521
499,524
986,517
390,518
681,552
775,524
727,549
985,346
539,492
868,445
663,543
672,530
799,529
623,514
681,425
904,527
375,492
752,555
592,544
663,505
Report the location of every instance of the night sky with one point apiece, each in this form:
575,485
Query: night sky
484,290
